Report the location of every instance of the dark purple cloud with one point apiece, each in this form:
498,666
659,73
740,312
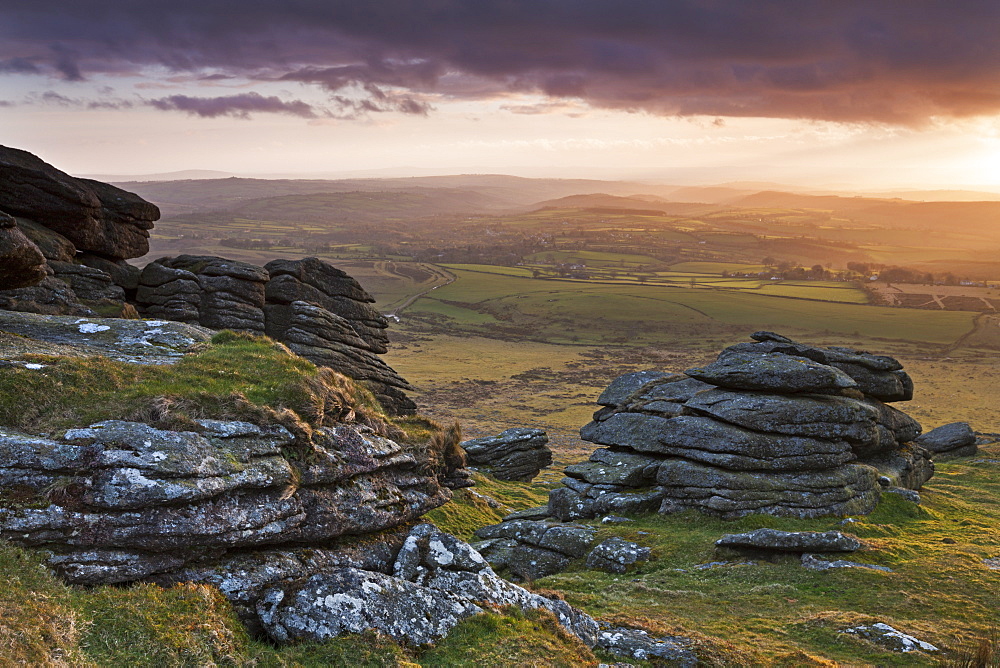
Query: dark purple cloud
237,106
844,60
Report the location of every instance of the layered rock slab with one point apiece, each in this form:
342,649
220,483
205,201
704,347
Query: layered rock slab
126,500
514,454
771,426
94,216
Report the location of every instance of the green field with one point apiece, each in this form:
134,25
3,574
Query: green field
579,311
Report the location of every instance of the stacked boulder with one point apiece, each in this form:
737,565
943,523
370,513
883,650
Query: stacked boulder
324,315
515,454
80,228
64,243
206,290
771,426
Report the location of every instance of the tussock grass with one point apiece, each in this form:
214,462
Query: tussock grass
235,376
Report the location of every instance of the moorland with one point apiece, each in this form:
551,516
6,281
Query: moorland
515,302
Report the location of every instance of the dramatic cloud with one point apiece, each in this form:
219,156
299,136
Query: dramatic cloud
848,60
237,106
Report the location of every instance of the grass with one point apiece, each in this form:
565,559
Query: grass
235,376
940,592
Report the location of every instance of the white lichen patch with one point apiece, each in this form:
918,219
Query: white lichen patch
93,328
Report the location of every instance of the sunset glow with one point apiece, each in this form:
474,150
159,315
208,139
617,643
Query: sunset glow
820,94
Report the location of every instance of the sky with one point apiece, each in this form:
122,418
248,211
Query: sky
863,94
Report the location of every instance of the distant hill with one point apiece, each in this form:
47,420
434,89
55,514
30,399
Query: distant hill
649,204
504,192
361,206
186,174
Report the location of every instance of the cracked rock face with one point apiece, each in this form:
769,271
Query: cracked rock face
317,310
515,454
93,216
435,582
771,426
532,549
118,501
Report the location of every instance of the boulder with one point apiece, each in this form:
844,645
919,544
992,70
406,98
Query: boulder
533,549
814,563
773,540
436,582
127,500
887,637
21,262
638,644
950,441
616,555
776,372
93,216
515,454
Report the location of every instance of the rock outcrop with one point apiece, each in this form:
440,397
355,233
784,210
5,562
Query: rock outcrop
95,217
515,454
317,310
771,426
124,500
950,441
63,252
232,506
773,540
531,549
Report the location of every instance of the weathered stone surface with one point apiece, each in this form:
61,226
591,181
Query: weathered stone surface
776,372
327,339
638,644
885,636
616,467
436,582
21,262
814,563
568,504
771,426
320,283
878,376
131,498
48,297
53,245
534,549
346,600
705,440
623,387
791,541
94,216
87,283
909,467
851,489
135,341
515,454
868,425
124,275
950,441
231,292
616,555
